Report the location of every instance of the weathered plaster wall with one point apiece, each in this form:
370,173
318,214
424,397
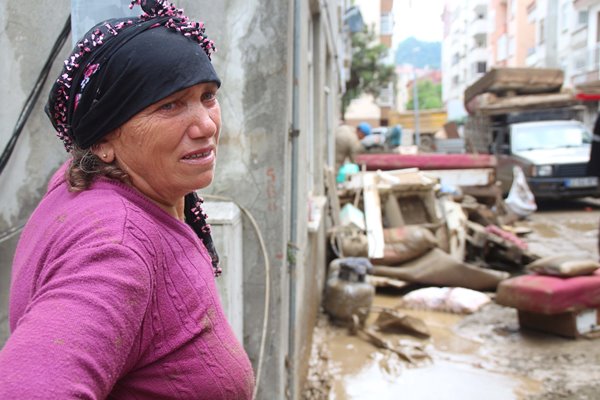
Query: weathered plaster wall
27,33
254,63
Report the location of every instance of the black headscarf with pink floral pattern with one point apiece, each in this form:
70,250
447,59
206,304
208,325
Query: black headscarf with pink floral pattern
122,66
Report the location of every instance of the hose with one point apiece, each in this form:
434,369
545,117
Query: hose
267,267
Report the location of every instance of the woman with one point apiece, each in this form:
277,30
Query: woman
113,292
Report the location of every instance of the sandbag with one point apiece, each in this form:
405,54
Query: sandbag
563,265
441,269
405,243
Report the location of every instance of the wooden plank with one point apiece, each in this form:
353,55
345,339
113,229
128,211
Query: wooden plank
464,177
391,161
372,205
393,213
489,105
517,80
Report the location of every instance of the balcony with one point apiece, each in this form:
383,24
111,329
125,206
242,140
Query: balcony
586,65
480,7
532,57
478,27
579,37
477,54
583,4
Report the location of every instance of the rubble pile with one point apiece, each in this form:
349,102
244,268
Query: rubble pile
411,231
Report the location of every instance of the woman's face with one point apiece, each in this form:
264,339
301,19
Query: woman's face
169,148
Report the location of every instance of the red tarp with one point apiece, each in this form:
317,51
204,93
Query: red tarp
390,161
550,294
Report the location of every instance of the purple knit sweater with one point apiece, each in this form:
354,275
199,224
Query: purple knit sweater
113,298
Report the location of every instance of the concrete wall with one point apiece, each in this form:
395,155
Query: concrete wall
27,33
255,41
255,60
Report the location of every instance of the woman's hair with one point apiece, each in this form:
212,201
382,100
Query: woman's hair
86,166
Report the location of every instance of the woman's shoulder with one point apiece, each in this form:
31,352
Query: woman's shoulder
104,213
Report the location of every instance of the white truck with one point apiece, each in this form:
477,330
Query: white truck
552,154
521,116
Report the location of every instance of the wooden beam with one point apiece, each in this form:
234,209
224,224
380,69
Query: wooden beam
372,205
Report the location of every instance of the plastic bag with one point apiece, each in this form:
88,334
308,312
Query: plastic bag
456,300
520,199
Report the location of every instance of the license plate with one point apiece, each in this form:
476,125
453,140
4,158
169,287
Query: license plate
588,181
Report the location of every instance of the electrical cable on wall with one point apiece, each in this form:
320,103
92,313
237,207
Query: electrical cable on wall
34,94
28,108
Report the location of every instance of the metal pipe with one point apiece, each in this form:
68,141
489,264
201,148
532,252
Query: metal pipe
292,246
416,107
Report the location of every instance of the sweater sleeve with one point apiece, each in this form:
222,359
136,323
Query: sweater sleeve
79,329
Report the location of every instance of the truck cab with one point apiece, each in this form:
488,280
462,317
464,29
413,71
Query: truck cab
553,155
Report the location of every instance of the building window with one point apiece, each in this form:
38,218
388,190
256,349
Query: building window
531,13
542,32
481,67
455,58
511,46
501,48
564,14
387,24
598,28
582,18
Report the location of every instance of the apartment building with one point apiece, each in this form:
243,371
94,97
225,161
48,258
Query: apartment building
464,50
511,32
585,22
481,34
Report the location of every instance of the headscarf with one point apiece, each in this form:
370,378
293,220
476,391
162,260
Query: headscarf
122,66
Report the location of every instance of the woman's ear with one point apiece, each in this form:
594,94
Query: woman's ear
104,149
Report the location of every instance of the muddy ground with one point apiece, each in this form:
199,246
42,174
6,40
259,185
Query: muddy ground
480,356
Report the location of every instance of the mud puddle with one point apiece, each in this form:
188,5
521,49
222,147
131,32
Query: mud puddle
457,367
437,381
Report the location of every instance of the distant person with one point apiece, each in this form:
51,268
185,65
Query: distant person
394,138
347,142
593,168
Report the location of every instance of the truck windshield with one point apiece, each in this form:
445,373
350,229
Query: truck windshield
548,136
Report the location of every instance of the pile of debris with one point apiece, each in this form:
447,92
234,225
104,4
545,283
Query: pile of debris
448,230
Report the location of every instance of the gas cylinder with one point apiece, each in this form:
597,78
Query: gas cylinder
346,291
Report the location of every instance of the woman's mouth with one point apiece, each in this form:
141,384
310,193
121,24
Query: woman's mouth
203,157
196,156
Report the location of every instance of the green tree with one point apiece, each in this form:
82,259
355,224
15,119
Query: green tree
368,73
429,94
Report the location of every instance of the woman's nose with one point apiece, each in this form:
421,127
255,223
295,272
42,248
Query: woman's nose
204,122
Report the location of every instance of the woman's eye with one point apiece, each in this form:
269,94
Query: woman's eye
208,96
167,106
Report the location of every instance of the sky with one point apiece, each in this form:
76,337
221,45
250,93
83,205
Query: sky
419,18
